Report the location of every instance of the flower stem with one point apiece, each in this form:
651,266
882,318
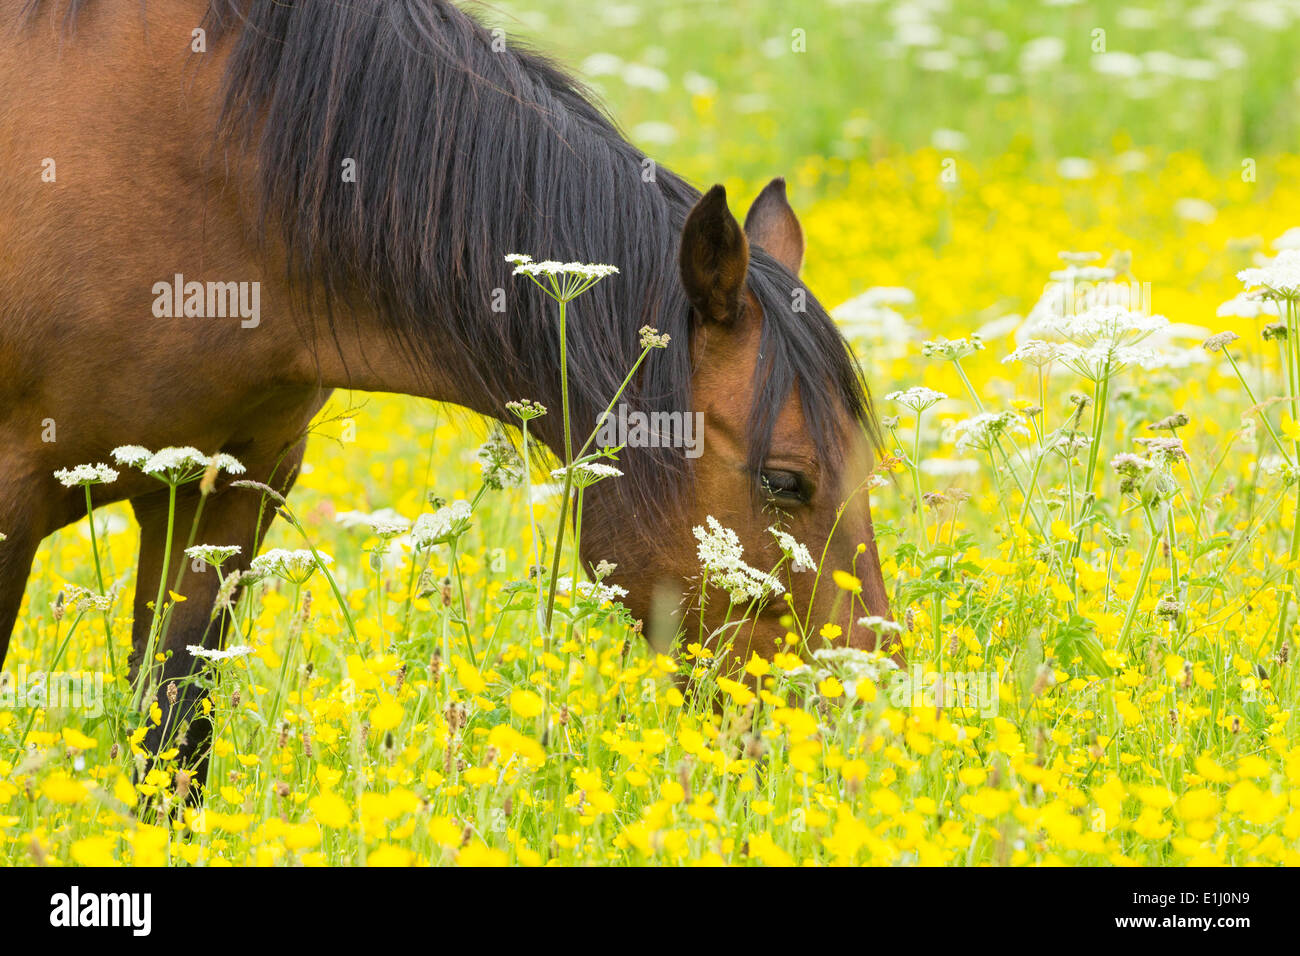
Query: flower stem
1147,562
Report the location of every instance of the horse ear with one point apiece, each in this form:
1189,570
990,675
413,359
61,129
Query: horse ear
714,258
772,224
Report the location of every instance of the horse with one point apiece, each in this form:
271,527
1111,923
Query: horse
366,168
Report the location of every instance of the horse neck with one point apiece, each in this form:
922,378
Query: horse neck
357,351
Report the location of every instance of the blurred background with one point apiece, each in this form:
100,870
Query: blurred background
752,84
955,147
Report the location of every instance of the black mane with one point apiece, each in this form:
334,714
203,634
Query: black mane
465,153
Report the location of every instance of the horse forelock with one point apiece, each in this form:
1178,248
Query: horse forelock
801,346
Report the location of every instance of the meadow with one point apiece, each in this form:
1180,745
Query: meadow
1092,472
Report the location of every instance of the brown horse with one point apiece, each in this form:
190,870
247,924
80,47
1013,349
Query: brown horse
364,168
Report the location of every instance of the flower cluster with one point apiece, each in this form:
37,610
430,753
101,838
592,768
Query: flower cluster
176,465
721,555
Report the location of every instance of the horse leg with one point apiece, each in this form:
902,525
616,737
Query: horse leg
22,523
232,516
16,554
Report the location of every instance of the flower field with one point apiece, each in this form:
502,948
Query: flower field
1087,371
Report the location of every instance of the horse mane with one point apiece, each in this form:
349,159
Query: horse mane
465,153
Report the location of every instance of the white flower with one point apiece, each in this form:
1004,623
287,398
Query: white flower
441,526
1000,327
721,555
587,473
85,475
951,349
1117,63
239,650
1073,273
1165,451
385,527
1288,240
501,463
215,554
948,467
1195,210
1109,324
562,281
1097,361
131,455
948,140
385,522
918,398
1076,167
1247,305
175,465
886,329
1168,357
983,430
175,460
82,600
294,566
1041,53
582,270
227,463
800,559
1035,352
1278,277
586,589
887,295
880,625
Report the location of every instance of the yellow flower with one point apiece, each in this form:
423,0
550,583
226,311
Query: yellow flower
972,776
480,854
830,688
987,802
124,791
1198,804
330,810
763,847
846,582
386,714
1290,430
1253,804
738,692
61,788
389,855
444,832
302,836
468,676
78,740
95,851
1210,770
525,704
510,742
886,802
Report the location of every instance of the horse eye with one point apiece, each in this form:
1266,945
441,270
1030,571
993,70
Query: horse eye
787,486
